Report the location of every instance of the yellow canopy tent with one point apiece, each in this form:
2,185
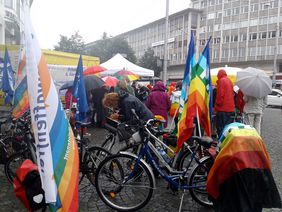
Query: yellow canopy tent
230,71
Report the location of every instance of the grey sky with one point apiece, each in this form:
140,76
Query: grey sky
93,17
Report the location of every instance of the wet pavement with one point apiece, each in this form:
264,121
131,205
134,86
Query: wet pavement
163,199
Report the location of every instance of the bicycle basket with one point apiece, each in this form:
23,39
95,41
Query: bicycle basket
124,131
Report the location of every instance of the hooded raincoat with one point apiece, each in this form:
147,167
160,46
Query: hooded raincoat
224,101
158,101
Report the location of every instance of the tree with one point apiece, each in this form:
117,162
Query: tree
150,61
107,47
74,44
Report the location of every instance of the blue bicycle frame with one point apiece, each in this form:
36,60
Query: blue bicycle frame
147,150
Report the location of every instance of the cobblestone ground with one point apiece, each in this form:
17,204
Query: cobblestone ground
163,199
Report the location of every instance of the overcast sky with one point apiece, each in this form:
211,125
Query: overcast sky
52,18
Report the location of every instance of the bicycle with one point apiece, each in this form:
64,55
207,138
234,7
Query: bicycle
125,182
90,157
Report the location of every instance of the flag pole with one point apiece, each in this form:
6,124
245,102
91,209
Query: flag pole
198,122
172,121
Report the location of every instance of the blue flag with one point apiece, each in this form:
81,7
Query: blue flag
78,91
8,79
190,64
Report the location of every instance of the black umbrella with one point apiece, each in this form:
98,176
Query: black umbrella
92,82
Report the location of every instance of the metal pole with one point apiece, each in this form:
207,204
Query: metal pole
165,43
276,49
275,58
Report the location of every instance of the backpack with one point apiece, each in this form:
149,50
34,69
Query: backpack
27,186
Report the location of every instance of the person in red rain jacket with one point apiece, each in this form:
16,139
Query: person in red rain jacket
224,101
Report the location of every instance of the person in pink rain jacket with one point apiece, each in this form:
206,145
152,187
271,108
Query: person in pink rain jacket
158,101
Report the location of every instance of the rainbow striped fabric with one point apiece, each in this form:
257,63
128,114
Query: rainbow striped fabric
20,101
182,126
57,152
242,149
199,100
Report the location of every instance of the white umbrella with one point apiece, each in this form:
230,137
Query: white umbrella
254,82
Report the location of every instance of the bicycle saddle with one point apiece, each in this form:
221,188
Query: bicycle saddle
204,141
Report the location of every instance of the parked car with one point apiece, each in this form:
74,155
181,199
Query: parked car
275,98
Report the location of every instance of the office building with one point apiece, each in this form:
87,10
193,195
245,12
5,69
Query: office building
152,35
10,21
244,32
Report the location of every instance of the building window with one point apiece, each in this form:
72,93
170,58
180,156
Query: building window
270,50
254,22
227,12
245,9
211,16
252,51
243,37
272,34
235,11
263,20
234,53
225,53
215,54
218,14
254,7
242,52
263,35
234,38
202,42
253,36
216,40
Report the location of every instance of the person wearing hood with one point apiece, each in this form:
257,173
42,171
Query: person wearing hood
224,101
158,101
124,102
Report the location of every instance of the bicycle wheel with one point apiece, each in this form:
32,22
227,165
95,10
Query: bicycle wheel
11,145
92,159
198,180
13,163
123,184
184,160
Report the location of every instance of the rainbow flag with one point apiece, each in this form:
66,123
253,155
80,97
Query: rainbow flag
20,101
198,102
56,148
243,162
182,114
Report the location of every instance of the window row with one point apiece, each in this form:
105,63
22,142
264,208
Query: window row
243,37
241,52
242,24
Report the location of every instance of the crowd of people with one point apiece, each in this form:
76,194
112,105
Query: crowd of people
149,100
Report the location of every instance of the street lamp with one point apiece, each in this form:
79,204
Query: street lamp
165,43
268,4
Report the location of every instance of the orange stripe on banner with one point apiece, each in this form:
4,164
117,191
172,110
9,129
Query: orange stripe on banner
44,76
186,127
232,165
195,98
69,180
240,153
74,203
